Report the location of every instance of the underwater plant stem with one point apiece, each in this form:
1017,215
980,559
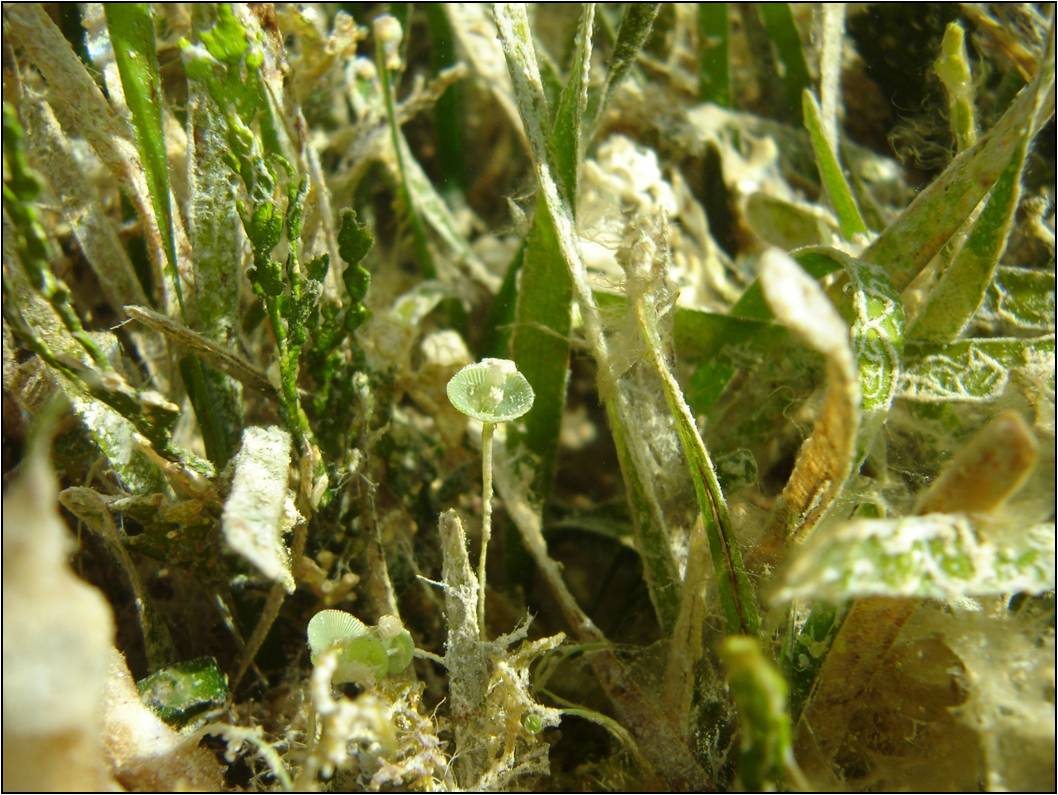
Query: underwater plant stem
487,429
422,248
289,367
277,594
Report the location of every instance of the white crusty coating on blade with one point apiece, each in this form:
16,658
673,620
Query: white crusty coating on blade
252,515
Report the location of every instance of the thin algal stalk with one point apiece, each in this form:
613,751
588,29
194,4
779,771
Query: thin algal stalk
487,429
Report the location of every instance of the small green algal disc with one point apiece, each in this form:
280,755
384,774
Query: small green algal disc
532,723
400,650
491,391
362,661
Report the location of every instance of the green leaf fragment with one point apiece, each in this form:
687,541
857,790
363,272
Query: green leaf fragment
877,335
519,51
936,556
744,330
787,224
969,371
1019,300
131,28
806,649
217,408
543,308
132,35
182,691
954,299
216,247
116,439
399,650
830,173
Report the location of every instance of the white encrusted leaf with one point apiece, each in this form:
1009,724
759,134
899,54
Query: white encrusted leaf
253,513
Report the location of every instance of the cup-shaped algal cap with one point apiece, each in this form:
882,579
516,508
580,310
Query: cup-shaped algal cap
491,391
329,628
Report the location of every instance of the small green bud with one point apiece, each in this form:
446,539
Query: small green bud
255,58
266,229
299,314
232,161
226,41
355,317
22,180
328,328
398,643
267,275
316,268
296,207
240,135
532,723
288,169
354,239
357,280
